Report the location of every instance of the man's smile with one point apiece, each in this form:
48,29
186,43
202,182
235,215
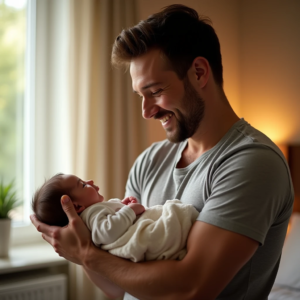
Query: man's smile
166,118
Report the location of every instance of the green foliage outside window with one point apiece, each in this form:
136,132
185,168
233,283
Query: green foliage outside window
12,77
12,80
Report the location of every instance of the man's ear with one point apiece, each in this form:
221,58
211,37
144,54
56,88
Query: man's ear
79,208
201,71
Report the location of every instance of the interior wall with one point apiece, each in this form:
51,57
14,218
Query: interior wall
225,18
270,64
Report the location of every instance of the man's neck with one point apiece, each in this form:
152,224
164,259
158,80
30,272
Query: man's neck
211,130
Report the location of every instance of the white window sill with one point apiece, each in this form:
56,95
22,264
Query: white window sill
30,257
25,235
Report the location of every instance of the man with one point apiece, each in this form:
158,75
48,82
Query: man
233,174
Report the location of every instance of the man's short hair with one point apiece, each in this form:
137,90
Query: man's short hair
180,33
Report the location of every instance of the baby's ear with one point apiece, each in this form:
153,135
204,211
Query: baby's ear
78,208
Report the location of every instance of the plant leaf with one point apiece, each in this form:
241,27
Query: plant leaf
8,199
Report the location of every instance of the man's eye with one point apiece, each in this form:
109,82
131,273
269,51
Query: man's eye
157,92
83,184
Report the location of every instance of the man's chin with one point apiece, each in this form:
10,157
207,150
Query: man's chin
175,137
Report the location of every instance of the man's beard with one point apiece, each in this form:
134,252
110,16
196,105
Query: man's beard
187,123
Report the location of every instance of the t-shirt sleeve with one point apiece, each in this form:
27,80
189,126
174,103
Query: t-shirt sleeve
248,192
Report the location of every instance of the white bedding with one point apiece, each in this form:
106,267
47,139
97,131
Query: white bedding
287,283
284,293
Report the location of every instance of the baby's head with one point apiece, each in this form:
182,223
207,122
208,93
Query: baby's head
46,202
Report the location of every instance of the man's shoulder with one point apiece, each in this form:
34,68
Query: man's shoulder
244,136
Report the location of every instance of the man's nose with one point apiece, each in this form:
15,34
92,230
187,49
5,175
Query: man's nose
149,108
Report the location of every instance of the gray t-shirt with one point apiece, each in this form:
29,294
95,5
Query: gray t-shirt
242,184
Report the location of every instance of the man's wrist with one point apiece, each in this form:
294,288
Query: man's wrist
92,257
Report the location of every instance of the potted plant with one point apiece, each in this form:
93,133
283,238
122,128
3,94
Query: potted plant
8,201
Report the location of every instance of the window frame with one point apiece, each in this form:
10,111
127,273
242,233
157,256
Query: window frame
24,232
29,112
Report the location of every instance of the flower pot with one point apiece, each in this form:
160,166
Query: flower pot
5,225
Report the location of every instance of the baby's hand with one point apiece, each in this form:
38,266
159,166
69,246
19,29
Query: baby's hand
129,200
137,208
134,205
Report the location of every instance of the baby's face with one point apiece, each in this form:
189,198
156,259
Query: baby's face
83,193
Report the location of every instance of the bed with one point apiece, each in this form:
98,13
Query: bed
287,283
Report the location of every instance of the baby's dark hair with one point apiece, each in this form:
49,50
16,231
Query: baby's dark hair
46,202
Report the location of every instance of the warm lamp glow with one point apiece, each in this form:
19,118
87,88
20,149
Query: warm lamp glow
288,229
284,150
269,115
278,134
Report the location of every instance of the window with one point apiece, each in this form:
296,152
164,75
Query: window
17,39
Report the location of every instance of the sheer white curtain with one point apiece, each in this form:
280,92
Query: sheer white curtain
107,127
91,122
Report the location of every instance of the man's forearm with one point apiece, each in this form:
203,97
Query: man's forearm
111,290
214,257
143,280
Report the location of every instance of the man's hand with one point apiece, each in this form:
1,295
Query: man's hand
72,241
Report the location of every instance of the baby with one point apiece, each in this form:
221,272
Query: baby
114,224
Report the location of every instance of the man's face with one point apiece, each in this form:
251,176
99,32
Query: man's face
189,120
174,102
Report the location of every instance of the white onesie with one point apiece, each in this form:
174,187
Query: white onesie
159,233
